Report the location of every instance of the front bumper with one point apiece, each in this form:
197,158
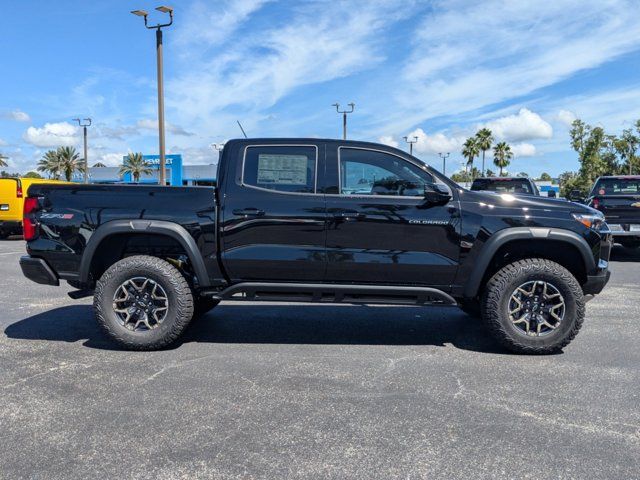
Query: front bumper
37,270
595,283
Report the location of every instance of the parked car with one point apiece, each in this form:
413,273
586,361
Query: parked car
12,194
618,198
283,224
513,185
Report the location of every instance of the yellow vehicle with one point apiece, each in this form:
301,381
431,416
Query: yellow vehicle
12,194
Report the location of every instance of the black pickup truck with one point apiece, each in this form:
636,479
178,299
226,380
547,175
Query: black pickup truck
324,221
618,198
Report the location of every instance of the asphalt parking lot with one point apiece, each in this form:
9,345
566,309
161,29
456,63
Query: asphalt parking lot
295,391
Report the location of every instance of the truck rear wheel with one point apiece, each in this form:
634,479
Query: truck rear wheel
533,306
143,303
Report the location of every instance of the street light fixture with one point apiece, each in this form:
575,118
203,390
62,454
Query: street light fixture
444,157
158,28
344,117
411,142
86,122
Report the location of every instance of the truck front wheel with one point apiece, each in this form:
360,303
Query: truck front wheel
533,306
143,303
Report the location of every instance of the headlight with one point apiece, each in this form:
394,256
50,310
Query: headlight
590,220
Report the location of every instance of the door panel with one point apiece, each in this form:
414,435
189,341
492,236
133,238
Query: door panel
381,231
274,223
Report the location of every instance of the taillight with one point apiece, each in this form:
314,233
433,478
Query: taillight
595,203
29,225
18,189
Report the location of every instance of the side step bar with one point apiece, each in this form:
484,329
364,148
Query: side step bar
334,293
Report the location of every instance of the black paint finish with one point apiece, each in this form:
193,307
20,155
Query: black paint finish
250,234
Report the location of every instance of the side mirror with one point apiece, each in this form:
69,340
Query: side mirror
436,194
576,196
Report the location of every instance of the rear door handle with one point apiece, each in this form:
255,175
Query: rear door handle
349,216
248,212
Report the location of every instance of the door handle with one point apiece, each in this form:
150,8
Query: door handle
349,216
248,212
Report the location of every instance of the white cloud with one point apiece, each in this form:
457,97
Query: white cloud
3,143
436,143
389,140
52,135
523,149
566,117
18,116
109,159
525,125
151,124
456,67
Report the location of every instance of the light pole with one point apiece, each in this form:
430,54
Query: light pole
344,117
411,142
444,157
86,155
158,28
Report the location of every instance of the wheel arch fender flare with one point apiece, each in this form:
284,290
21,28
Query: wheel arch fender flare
157,227
502,237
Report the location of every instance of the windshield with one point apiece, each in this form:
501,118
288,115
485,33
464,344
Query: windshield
512,185
617,186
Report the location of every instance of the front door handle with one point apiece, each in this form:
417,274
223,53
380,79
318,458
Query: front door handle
248,212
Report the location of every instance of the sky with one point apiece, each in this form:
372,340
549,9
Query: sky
438,70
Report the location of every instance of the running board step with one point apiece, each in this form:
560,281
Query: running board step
332,293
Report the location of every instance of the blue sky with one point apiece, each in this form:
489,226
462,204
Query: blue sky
435,69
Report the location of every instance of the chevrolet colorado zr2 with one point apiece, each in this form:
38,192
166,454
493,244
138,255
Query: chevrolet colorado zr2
323,221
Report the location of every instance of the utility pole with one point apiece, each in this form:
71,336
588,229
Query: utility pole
444,162
411,142
141,13
86,155
344,117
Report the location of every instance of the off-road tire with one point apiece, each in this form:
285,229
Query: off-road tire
180,302
497,294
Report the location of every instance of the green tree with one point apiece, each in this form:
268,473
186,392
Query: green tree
545,177
136,165
32,175
99,165
484,140
523,175
627,146
50,164
3,163
502,155
470,150
70,162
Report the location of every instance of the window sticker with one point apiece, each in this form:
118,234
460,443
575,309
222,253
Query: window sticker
282,169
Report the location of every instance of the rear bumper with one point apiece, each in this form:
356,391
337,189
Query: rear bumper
37,270
11,226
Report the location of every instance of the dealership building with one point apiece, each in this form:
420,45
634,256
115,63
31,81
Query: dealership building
177,174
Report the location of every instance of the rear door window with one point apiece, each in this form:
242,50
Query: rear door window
286,169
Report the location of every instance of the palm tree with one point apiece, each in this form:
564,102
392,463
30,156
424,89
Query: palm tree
484,139
50,164
2,160
502,155
136,165
470,150
70,162
99,165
